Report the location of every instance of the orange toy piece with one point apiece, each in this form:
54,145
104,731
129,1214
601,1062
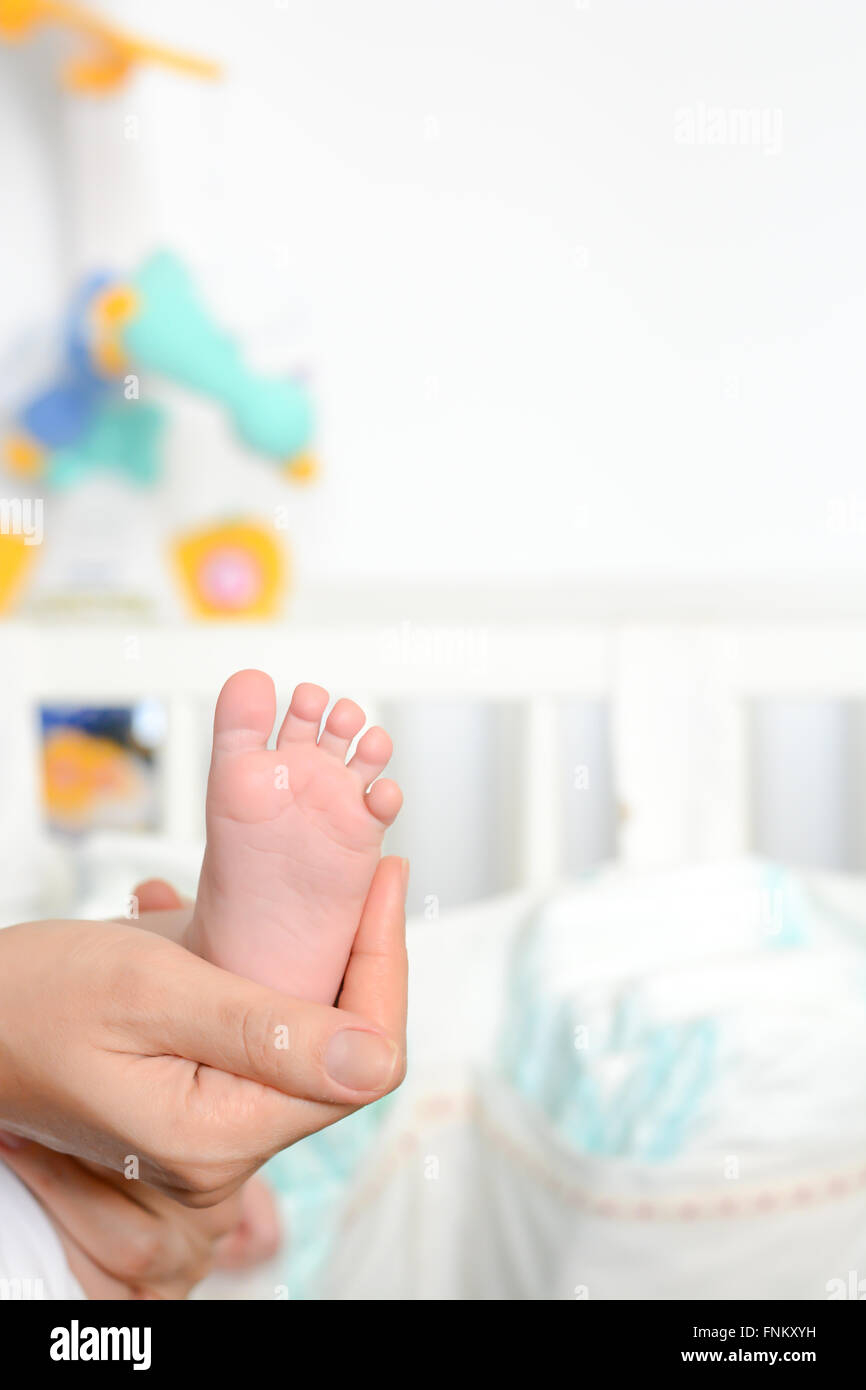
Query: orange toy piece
237,570
303,468
115,53
16,557
23,456
110,312
82,774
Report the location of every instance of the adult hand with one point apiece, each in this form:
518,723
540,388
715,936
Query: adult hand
125,1240
120,1047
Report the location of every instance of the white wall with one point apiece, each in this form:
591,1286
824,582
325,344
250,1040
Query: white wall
549,337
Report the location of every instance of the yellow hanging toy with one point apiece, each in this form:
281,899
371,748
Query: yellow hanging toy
115,54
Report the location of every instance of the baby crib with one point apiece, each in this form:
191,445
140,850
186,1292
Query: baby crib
675,666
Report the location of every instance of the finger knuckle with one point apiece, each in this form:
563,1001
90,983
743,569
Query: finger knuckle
254,1039
202,1184
144,1254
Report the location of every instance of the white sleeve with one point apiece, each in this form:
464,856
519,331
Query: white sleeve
32,1263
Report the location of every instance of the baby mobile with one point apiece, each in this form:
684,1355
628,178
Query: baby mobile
151,320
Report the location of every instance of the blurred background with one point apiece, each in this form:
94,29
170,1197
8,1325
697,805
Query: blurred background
495,364
576,303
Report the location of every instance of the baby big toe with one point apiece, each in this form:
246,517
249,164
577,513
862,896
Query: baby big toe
245,710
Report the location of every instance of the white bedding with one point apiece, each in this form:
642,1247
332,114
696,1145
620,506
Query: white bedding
708,1142
32,1263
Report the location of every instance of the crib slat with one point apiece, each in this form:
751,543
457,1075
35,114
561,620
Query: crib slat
679,746
541,811
183,769
22,767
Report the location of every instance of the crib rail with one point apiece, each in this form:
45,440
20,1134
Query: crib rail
677,695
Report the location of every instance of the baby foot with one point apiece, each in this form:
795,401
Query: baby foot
293,837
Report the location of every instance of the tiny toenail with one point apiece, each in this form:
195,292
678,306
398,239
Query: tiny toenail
360,1061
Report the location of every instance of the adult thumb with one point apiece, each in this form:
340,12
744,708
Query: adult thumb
306,1050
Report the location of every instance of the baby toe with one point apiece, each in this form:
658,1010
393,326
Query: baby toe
301,724
384,800
373,752
244,715
343,723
